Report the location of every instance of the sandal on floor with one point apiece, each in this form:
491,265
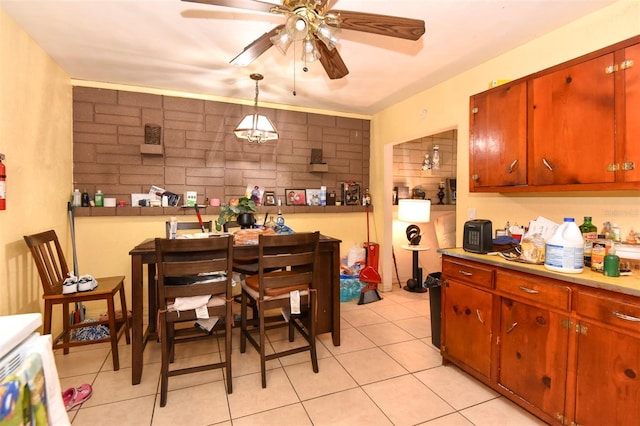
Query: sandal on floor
75,396
68,396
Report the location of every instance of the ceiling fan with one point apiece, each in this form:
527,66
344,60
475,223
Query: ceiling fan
317,26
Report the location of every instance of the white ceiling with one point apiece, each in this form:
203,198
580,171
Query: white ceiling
176,45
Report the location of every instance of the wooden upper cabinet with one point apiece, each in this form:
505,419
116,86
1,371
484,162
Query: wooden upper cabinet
572,133
629,164
498,145
574,126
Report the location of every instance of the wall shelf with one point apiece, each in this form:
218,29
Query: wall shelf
318,168
151,149
209,210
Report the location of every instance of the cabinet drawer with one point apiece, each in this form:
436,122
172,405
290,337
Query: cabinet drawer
535,289
617,312
470,272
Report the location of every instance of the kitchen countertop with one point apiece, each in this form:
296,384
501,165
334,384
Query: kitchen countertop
626,284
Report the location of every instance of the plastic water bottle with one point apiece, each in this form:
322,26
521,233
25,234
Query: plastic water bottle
564,252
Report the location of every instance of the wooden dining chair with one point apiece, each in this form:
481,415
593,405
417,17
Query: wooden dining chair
182,226
53,270
286,264
189,268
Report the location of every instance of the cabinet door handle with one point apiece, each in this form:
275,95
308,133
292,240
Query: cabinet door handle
625,317
547,164
475,178
512,165
479,316
465,273
510,329
529,290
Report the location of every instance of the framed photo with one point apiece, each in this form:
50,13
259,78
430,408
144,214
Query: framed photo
295,197
255,192
269,198
313,197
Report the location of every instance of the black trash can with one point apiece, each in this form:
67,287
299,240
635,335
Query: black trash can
434,284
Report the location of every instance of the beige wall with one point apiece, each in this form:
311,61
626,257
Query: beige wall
35,136
447,107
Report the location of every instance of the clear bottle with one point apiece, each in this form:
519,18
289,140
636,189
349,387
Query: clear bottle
98,199
280,218
606,230
366,198
589,233
173,228
615,233
77,198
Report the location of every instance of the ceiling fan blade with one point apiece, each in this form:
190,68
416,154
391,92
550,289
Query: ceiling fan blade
259,6
332,62
256,48
391,26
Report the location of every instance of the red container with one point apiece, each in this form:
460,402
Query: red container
373,254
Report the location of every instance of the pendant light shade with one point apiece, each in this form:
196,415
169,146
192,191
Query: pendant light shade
255,127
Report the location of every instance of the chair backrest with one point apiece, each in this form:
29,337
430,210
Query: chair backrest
295,253
184,261
208,226
50,261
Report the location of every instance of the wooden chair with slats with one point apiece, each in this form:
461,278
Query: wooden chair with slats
53,270
184,270
286,263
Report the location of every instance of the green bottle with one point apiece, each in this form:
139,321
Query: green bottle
589,233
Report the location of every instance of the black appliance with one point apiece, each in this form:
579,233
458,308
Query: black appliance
477,236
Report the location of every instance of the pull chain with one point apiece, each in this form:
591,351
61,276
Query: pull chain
294,69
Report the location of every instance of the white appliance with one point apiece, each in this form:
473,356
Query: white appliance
20,345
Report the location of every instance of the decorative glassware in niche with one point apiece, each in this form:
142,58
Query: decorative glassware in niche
436,158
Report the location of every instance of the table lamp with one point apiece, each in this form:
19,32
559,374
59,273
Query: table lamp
414,211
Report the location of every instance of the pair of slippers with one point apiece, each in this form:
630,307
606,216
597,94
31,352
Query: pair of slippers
76,396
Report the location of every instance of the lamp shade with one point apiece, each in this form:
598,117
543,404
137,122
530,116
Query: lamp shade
256,128
414,211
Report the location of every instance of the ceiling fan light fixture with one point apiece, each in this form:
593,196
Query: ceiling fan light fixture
328,35
297,26
254,127
282,41
310,51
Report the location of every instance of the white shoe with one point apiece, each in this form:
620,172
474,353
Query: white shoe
87,283
70,286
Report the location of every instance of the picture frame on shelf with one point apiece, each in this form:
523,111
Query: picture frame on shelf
351,194
313,197
269,198
295,197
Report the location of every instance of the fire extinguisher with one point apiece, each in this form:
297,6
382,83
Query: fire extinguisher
3,187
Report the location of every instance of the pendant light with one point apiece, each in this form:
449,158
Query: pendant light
254,127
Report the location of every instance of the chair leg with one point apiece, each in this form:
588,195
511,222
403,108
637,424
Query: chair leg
291,331
243,322
113,331
125,315
164,365
65,326
312,330
227,349
263,362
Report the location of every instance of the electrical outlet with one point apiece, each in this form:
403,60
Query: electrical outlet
471,213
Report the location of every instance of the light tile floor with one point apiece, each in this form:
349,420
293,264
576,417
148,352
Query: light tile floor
385,372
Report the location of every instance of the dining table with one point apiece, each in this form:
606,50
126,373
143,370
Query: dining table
327,284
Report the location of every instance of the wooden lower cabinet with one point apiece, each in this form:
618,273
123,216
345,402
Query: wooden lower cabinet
567,353
467,332
533,355
607,389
